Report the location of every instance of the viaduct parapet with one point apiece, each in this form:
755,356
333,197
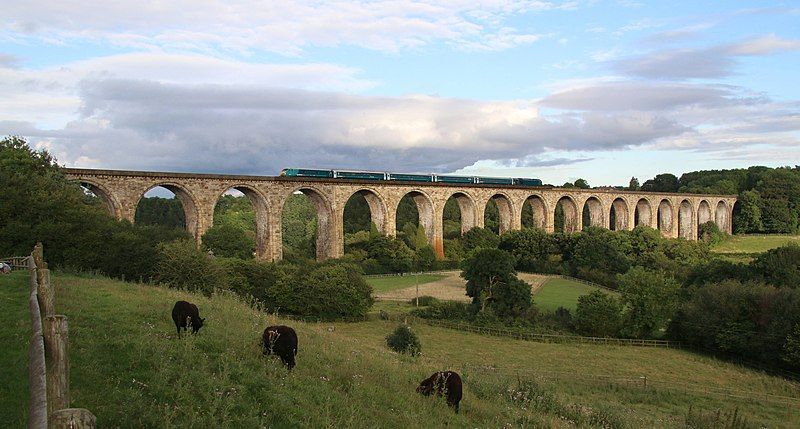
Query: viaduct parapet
675,215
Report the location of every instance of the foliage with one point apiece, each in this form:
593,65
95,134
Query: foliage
649,300
661,183
477,237
791,349
357,215
229,241
747,213
598,314
633,185
483,270
598,254
167,212
424,300
581,184
531,248
326,291
38,203
443,310
404,340
779,267
299,228
709,233
748,320
425,258
182,265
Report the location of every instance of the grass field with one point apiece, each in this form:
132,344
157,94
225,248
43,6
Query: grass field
558,292
130,370
754,243
389,283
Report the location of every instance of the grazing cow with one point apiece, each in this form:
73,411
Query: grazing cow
281,340
185,314
443,383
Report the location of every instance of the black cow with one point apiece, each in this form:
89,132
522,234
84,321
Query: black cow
443,383
186,314
281,340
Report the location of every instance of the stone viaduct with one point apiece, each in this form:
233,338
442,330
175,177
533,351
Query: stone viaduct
675,215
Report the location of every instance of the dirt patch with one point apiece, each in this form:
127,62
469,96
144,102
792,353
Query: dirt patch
451,288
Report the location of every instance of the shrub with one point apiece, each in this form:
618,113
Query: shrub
229,241
649,298
598,314
710,233
424,300
479,238
443,310
331,290
404,340
780,266
182,265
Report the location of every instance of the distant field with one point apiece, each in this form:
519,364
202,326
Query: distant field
557,292
754,243
390,283
130,370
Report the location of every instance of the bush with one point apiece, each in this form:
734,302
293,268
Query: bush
477,237
598,314
531,248
331,290
649,298
182,265
710,233
229,241
443,310
424,300
779,267
404,340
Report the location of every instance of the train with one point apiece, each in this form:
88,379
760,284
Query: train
406,177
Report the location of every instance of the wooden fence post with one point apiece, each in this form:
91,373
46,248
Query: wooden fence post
56,352
46,293
73,418
37,404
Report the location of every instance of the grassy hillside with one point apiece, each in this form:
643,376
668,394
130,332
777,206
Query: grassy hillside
389,283
131,371
753,243
557,292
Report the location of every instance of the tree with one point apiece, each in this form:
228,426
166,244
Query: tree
598,254
662,183
479,238
229,241
582,184
420,238
425,258
392,254
483,271
748,217
649,299
598,315
780,266
791,349
633,185
531,248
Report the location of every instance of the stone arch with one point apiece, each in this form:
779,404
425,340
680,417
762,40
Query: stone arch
643,215
686,220
620,209
105,195
425,212
188,201
722,217
506,211
467,208
596,212
703,214
570,209
262,217
377,208
538,211
326,237
664,218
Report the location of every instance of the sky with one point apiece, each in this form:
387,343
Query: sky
558,90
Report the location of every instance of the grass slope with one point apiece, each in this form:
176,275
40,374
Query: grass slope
130,370
15,332
389,283
754,243
558,292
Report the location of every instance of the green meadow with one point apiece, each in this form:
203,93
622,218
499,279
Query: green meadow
129,368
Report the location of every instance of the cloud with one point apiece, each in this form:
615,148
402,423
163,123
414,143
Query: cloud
8,61
636,95
248,129
711,62
286,27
